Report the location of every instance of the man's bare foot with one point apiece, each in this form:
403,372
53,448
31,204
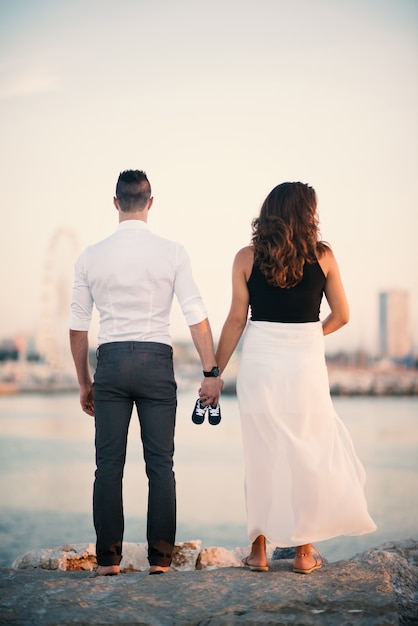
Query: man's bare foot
158,569
105,570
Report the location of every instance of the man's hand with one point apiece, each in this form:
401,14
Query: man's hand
86,399
211,386
79,343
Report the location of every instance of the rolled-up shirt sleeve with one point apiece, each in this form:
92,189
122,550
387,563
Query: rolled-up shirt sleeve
186,290
82,300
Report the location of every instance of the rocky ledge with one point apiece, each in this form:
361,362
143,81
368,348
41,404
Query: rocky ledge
210,587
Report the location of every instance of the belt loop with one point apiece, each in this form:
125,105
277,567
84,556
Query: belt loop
97,352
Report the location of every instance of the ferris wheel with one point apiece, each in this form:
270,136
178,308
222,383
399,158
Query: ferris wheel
56,298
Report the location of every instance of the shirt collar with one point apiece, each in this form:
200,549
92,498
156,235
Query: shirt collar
128,224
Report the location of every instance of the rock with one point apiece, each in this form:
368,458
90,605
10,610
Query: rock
74,557
290,553
82,556
376,588
185,555
401,561
214,558
342,594
284,553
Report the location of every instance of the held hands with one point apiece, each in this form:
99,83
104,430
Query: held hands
86,399
210,390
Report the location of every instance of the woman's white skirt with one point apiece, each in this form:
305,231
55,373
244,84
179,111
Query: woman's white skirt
303,480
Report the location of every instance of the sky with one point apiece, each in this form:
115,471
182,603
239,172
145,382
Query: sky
218,101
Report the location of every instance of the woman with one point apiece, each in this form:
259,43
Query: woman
303,480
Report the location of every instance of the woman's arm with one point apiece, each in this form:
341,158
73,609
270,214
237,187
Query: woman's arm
237,317
335,295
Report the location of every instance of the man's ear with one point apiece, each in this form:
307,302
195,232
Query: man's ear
150,201
116,203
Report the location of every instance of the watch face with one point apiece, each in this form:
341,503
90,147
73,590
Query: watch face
214,372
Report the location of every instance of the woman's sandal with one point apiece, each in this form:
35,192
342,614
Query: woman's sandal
255,568
308,570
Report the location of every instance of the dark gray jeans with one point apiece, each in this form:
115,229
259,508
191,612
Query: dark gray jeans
140,373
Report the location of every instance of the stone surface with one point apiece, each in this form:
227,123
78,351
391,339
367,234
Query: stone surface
376,588
344,594
401,561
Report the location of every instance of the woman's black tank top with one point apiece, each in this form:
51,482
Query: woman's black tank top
295,305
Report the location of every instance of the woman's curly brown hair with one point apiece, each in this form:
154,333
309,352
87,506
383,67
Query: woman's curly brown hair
286,234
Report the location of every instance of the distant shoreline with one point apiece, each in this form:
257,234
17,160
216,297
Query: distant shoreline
376,379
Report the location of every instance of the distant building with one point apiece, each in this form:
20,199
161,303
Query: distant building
394,324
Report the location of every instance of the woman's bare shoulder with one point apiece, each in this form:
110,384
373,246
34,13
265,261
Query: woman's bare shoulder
326,259
245,255
244,260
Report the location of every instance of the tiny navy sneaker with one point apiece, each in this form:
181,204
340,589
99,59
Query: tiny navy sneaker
214,414
199,412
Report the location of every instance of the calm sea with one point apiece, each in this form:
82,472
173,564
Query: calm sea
47,467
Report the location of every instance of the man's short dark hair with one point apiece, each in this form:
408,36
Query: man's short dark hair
133,190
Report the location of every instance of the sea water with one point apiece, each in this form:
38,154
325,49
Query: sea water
47,470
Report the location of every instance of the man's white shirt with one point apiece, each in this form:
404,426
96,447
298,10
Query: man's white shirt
131,277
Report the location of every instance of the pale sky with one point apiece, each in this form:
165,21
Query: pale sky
218,101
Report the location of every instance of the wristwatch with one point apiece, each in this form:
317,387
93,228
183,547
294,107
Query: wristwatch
213,373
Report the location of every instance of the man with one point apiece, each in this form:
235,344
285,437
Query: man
131,278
